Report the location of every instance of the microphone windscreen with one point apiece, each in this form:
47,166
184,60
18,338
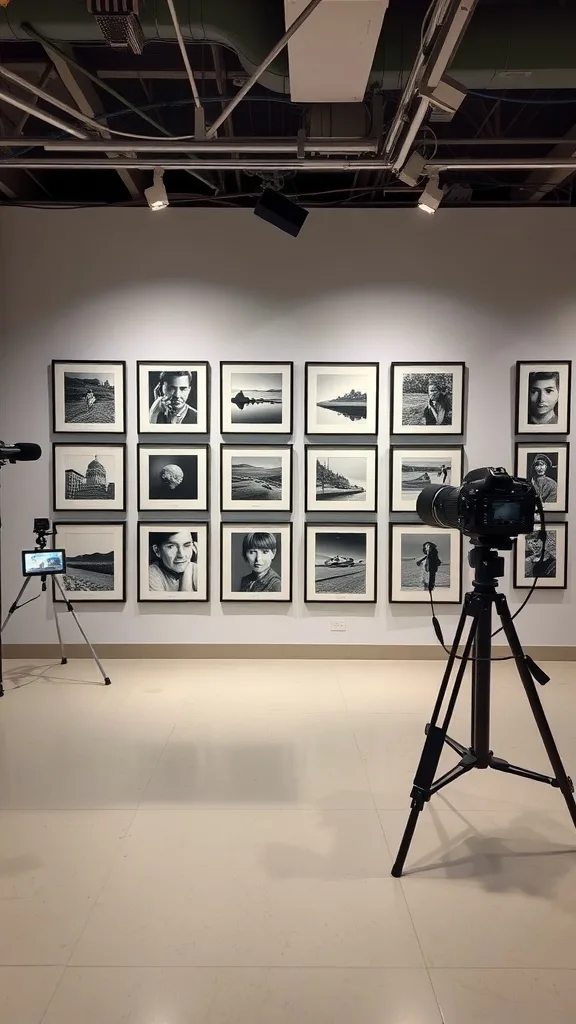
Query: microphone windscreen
28,452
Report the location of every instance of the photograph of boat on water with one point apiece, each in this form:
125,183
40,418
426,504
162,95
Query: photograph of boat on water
342,398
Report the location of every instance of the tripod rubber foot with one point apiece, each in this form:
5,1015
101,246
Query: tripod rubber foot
396,872
64,661
107,681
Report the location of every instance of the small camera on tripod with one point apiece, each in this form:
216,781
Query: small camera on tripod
40,562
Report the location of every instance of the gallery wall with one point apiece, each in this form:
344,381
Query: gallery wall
487,287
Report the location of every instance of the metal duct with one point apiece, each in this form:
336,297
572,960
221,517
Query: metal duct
119,24
503,48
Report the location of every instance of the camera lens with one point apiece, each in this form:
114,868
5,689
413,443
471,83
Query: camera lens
437,505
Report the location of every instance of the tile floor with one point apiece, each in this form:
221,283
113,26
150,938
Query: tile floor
211,843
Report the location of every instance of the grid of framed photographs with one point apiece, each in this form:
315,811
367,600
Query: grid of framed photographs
340,477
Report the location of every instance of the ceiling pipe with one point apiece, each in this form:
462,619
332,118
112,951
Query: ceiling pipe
42,115
265,166
41,93
184,53
308,10
211,164
336,146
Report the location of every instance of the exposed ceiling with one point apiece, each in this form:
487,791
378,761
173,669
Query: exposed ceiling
331,121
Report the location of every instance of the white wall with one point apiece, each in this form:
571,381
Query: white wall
484,286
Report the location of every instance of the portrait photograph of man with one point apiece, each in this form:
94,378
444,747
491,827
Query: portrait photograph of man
172,397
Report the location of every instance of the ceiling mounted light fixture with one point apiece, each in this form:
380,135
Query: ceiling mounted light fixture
445,98
432,196
275,208
156,195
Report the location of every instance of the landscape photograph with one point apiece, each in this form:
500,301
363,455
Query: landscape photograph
256,398
341,398
94,560
89,398
256,479
341,478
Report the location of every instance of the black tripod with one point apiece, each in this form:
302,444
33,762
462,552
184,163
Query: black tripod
488,566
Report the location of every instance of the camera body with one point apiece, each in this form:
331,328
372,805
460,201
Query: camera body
490,504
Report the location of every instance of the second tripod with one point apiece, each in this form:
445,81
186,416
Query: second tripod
478,605
42,531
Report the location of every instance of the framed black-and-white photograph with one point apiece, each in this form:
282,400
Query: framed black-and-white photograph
256,562
411,469
340,563
88,397
256,398
423,561
543,397
173,561
173,398
342,398
173,477
256,478
341,478
551,569
427,398
547,466
95,561
89,477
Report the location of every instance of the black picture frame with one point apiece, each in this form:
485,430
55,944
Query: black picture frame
545,583
400,429
59,423
346,451
420,595
95,503
340,597
178,510
521,425
78,595
227,595
546,448
202,594
202,427
263,507
287,423
427,451
311,429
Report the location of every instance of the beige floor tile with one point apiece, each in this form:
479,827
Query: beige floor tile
239,757
25,993
53,865
502,996
251,888
242,995
491,890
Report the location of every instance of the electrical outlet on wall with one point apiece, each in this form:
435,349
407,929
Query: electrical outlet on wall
338,625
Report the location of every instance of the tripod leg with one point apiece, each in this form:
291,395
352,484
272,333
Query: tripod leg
63,658
14,604
564,783
435,738
70,608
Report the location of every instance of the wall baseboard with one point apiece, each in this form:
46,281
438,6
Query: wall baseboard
272,652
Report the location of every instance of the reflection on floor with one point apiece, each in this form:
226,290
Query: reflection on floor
211,842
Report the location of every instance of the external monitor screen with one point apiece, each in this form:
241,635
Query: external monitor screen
41,563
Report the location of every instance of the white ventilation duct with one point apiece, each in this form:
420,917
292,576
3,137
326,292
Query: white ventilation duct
331,55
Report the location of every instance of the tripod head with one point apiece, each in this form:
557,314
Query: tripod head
486,561
42,530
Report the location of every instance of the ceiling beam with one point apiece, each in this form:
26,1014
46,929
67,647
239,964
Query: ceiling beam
88,102
15,184
537,185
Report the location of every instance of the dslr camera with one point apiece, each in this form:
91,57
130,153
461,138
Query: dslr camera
490,504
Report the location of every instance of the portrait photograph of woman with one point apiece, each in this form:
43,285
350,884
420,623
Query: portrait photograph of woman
427,398
546,466
545,562
173,562
543,397
256,562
